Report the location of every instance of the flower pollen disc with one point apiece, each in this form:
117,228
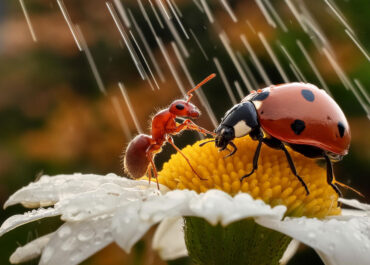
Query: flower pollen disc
273,182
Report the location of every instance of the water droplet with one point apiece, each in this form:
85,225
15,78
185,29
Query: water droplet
46,254
209,205
86,234
75,257
69,244
71,211
331,246
65,230
357,236
59,182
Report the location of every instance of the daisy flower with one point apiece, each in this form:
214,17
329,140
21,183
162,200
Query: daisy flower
219,220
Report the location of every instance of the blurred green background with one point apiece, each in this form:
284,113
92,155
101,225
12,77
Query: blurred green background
54,118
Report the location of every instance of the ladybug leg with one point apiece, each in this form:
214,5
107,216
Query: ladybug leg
330,176
255,159
292,167
210,141
170,140
231,151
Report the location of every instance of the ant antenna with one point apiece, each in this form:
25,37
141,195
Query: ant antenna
190,95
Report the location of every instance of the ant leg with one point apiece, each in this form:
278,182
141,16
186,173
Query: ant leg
170,140
150,158
149,170
192,126
292,167
255,159
330,176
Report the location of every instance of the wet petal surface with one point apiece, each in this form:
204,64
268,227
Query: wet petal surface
339,242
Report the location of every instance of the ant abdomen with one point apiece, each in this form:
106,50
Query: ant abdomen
136,161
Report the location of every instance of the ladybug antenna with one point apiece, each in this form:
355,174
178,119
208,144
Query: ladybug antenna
190,95
348,187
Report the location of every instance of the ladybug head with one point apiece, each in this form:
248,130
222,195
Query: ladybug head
224,136
239,121
182,108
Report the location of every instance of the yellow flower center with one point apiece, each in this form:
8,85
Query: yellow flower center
273,182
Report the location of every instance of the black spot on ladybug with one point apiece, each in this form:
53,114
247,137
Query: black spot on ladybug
328,118
262,111
341,129
261,96
308,95
298,126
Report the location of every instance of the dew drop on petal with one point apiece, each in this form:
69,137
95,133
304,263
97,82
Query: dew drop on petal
59,182
126,220
68,244
65,230
311,235
331,246
86,234
98,238
209,204
47,254
71,211
75,256
357,236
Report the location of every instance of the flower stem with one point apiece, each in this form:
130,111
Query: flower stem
240,243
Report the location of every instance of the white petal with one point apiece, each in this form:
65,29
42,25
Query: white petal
356,204
106,198
132,220
132,207
73,242
21,219
339,242
214,205
289,252
31,250
169,239
49,190
127,226
348,214
217,206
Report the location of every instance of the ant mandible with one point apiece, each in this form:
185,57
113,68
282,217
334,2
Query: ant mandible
140,152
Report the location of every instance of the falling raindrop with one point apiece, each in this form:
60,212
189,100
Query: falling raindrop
30,27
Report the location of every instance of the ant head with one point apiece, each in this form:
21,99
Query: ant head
182,108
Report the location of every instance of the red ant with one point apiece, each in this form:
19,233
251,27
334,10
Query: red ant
140,152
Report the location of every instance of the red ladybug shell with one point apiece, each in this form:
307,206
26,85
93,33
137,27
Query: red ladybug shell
299,113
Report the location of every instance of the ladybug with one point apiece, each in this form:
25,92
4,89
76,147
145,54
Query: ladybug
297,115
